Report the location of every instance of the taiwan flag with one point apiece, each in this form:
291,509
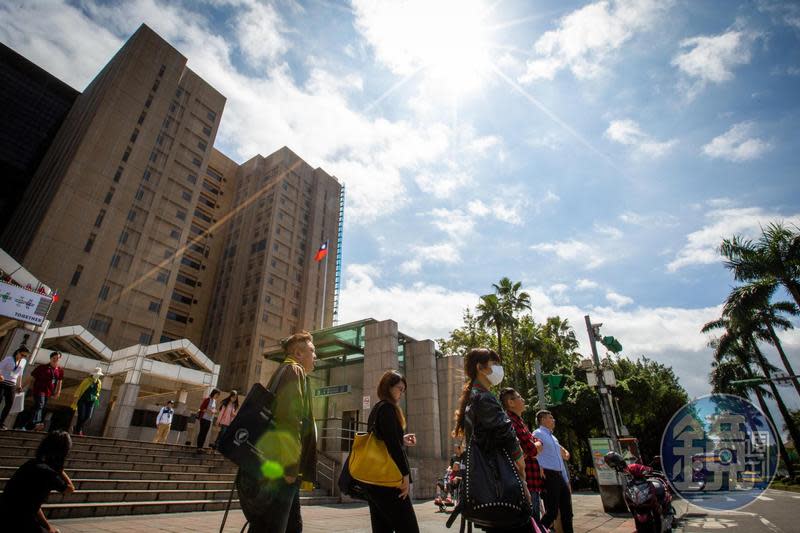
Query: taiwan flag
322,252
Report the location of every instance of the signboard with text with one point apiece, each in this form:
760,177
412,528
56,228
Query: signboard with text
333,390
605,474
24,305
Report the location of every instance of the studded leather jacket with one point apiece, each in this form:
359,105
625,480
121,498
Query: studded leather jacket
486,419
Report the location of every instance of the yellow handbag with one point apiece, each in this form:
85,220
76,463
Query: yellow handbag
371,463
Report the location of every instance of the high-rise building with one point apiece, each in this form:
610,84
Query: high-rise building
151,235
268,281
33,104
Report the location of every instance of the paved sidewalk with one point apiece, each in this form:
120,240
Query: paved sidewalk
352,518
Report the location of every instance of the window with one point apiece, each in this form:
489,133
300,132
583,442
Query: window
175,234
186,195
181,214
212,116
123,237
207,131
162,70
153,156
154,306
258,246
127,154
99,220
182,298
196,161
172,315
139,194
76,276
145,337
155,85
197,248
148,101
118,174
109,196
100,323
191,178
188,262
168,253
134,136
131,215
62,311
196,230
199,214
202,145
162,277
179,92
90,242
166,338
103,293
186,280
115,260
146,175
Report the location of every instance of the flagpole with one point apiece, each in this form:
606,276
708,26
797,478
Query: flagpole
324,289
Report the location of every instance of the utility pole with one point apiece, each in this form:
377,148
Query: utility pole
605,401
537,369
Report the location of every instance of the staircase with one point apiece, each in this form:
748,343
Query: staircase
123,477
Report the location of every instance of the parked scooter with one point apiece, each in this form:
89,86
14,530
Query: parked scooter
646,493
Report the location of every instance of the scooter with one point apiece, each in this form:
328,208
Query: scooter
646,493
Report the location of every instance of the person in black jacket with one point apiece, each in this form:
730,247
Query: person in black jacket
480,412
26,491
390,509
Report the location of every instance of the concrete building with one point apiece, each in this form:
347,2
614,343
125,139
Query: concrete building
150,235
351,358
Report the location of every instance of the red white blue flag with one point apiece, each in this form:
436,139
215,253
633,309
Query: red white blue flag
322,252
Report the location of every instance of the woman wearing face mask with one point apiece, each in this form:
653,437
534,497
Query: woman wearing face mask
480,412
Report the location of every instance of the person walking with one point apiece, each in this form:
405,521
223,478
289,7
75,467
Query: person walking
514,404
481,414
29,487
204,417
164,422
390,509
11,369
557,492
86,397
227,412
46,380
272,504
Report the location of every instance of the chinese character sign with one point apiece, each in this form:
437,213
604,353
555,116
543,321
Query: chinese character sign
719,452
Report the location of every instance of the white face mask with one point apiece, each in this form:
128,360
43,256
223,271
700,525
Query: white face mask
496,376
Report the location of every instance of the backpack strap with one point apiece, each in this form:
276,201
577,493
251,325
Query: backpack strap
453,515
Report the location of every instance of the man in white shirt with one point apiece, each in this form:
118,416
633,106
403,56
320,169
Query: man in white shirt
557,495
11,369
163,422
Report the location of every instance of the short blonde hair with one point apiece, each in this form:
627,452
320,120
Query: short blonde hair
290,343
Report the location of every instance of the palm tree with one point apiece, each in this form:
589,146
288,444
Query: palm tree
735,364
491,313
755,298
741,327
773,259
514,301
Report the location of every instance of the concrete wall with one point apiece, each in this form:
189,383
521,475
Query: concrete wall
450,372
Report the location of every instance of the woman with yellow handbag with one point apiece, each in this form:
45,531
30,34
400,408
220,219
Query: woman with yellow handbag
378,460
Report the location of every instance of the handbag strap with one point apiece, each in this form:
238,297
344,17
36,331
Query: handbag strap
275,380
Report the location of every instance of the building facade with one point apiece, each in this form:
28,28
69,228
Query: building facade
150,235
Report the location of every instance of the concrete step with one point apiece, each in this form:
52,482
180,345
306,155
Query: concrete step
37,436
134,475
124,496
149,484
83,510
128,455
12,460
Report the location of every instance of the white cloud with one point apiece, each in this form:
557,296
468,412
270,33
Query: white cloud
559,288
618,300
587,37
629,133
427,311
711,59
413,266
702,245
574,251
478,208
444,252
585,284
737,144
443,184
259,31
649,219
608,231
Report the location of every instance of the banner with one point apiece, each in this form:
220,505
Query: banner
24,305
605,475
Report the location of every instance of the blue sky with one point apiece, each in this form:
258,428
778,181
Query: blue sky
595,151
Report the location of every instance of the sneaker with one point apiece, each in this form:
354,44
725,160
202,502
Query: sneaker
38,427
3,427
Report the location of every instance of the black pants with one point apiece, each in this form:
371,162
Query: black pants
557,497
205,425
85,410
39,405
281,511
8,397
389,513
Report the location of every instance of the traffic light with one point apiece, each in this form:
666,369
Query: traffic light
611,344
555,388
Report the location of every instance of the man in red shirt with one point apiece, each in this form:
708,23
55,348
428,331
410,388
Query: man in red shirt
47,381
514,404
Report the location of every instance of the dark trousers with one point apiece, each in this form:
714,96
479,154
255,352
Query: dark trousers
205,425
390,514
281,514
8,397
39,404
222,430
557,497
85,410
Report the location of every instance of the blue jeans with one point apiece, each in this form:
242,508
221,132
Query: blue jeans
536,507
39,403
85,410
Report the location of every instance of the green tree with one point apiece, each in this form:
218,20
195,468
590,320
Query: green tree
492,314
462,340
514,301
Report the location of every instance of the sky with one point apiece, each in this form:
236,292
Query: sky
597,152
